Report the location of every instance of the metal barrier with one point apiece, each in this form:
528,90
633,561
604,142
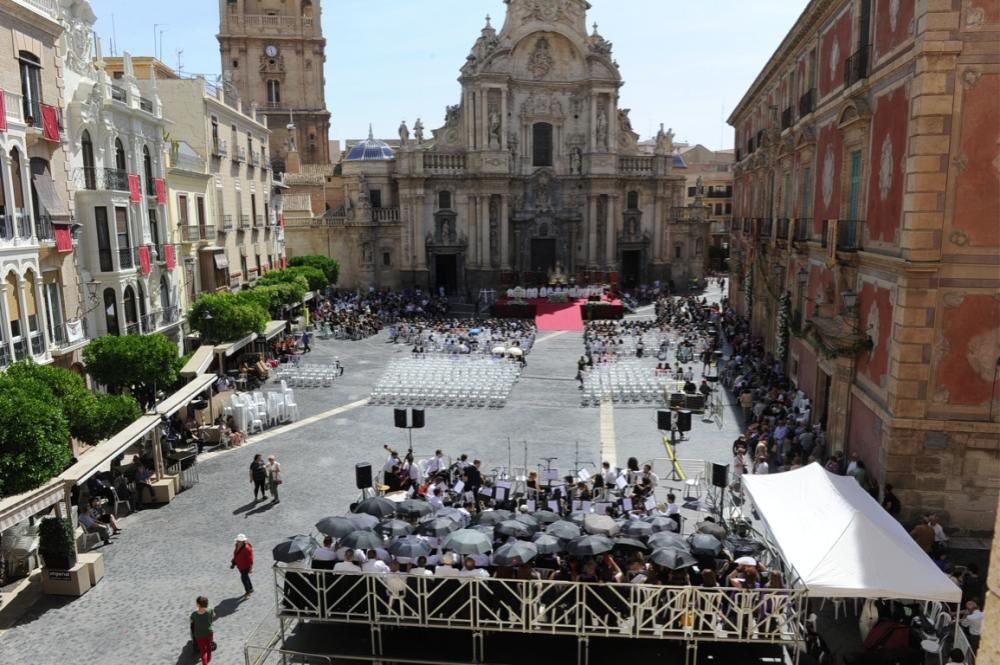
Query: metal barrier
577,609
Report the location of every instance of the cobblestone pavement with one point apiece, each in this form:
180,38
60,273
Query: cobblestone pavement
167,556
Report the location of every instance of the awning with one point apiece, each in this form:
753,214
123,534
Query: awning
15,509
274,328
188,392
93,459
47,196
229,348
841,542
221,262
199,362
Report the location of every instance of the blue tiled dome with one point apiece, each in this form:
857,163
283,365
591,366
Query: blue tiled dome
370,150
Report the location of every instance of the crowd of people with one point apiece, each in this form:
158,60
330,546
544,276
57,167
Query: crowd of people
355,316
452,335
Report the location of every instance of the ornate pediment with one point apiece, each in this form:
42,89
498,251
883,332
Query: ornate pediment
542,104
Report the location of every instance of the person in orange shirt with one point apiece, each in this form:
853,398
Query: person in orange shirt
924,535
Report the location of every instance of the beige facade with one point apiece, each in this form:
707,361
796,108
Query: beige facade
273,54
536,172
874,126
40,301
712,170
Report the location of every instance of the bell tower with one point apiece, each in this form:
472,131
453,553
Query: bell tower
273,53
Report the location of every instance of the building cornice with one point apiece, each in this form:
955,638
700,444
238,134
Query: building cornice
36,18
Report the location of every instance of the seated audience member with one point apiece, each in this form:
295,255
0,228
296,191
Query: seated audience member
91,525
325,556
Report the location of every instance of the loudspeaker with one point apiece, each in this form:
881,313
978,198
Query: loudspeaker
683,421
363,475
663,420
399,415
720,475
418,418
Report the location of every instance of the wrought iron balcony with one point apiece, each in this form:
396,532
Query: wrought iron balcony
856,67
783,224
116,179
786,118
244,222
170,315
807,102
125,259
219,148
849,235
803,229
133,329
148,322
146,104
37,344
764,227
227,224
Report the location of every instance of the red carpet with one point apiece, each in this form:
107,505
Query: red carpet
550,316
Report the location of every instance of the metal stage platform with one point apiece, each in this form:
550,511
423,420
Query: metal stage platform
326,617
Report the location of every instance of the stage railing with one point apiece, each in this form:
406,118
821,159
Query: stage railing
542,606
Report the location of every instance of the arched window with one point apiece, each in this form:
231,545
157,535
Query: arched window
633,200
43,222
147,324
31,87
131,311
164,292
541,142
273,91
89,170
111,312
307,8
120,162
699,247
147,168
444,200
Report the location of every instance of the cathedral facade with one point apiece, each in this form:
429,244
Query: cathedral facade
535,172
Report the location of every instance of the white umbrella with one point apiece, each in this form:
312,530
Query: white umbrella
514,351
499,350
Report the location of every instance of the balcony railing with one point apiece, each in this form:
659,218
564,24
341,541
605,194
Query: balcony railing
764,227
255,24
8,227
227,224
434,161
148,322
125,259
254,158
48,7
258,220
385,214
170,315
783,224
786,118
803,229
724,193
240,154
22,223
219,148
807,102
849,235
116,179
635,164
37,344
133,328
856,66
244,222
13,107
43,227
4,354
146,104
118,94
104,257
21,349
196,233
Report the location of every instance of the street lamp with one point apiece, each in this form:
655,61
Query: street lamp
206,317
850,298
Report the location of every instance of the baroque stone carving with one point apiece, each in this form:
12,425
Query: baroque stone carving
834,58
602,129
885,172
541,105
540,63
494,231
828,165
893,14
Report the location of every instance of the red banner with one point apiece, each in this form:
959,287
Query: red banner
144,264
3,113
161,190
50,123
64,239
168,256
134,188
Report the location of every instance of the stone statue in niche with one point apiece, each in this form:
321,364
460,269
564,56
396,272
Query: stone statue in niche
445,231
512,145
602,221
541,61
418,131
576,160
494,231
495,128
664,141
404,134
624,122
699,187
602,129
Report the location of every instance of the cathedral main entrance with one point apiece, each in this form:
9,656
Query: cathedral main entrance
446,273
631,273
543,255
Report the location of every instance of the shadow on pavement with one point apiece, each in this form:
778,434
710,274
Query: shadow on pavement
228,606
245,507
261,509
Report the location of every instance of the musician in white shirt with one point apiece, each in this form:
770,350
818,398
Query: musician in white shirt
436,463
348,565
437,500
610,474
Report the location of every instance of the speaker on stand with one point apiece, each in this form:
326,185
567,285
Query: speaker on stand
720,479
363,480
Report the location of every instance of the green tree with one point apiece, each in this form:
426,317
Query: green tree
230,317
328,266
34,438
141,364
113,414
312,277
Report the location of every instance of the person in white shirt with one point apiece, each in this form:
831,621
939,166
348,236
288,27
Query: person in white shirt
373,565
390,461
940,537
421,567
436,463
760,467
324,557
446,568
470,569
394,581
437,500
853,464
347,565
972,620
647,472
413,471
610,474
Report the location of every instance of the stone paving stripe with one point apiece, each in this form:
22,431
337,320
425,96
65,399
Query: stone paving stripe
609,446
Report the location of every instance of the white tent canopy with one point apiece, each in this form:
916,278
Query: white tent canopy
841,542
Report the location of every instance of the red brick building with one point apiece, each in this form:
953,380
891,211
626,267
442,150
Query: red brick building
866,233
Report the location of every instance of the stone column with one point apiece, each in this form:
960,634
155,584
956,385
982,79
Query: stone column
504,233
41,312
5,321
592,232
503,122
22,303
484,230
470,258
612,226
654,227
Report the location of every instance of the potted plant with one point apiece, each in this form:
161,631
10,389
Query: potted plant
56,543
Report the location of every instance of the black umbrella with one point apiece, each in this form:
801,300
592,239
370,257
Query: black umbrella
630,544
392,528
667,539
362,540
363,521
295,548
529,520
577,517
711,528
590,545
468,541
338,527
673,558
600,525
413,507
505,555
494,517
638,529
453,514
545,516
743,547
563,529
661,524
438,527
377,506
410,547
512,528
547,543
703,544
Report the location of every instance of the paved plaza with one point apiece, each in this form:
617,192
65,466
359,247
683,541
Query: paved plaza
167,556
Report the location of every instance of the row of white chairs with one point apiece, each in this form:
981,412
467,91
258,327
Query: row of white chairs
468,381
254,411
